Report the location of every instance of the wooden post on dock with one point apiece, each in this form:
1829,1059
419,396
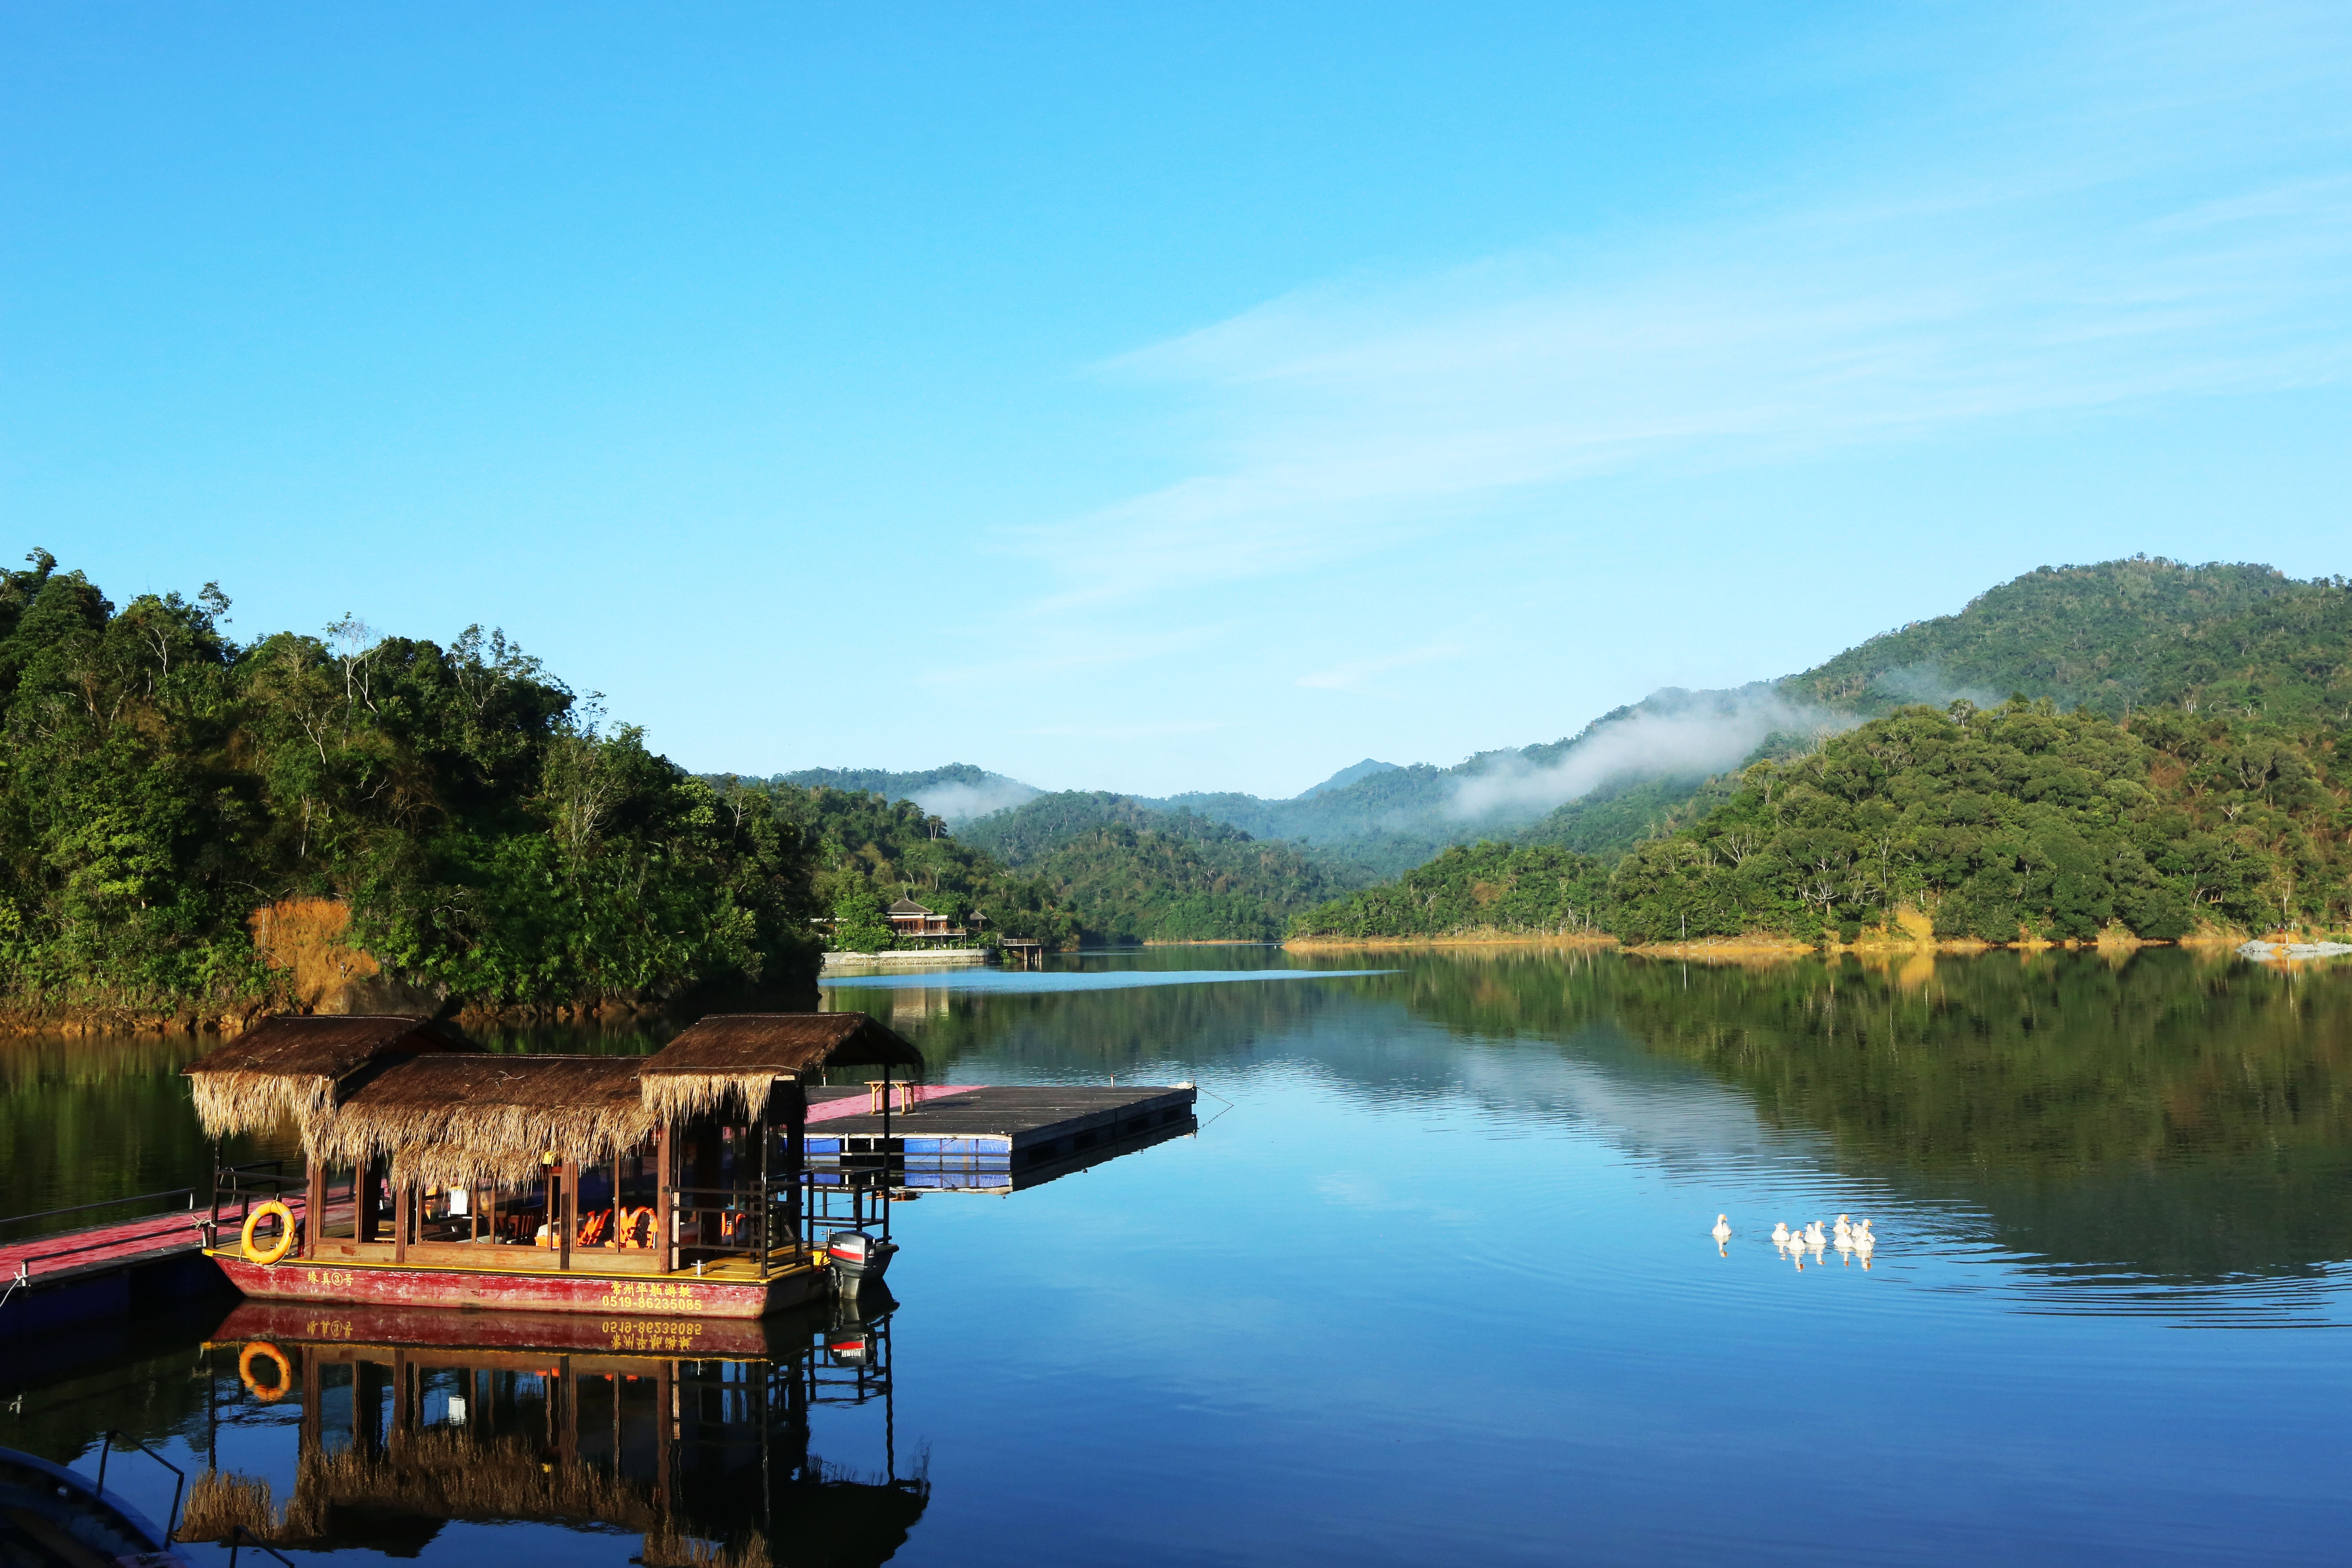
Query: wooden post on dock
314,1209
665,1201
567,1171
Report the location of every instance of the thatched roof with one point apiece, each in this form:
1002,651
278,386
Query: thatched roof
294,1066
448,1114
457,1121
733,1059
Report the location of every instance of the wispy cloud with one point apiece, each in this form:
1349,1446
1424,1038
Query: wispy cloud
2115,227
1706,733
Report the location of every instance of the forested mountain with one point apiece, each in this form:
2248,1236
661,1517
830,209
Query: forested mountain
2016,820
866,851
2115,637
1137,874
456,817
956,792
2112,637
2120,636
1366,769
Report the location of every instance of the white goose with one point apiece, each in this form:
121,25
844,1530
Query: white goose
1813,1236
1780,1232
1841,1227
1722,1231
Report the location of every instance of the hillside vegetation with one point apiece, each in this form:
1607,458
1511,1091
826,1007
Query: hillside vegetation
2245,640
866,851
484,837
2014,821
1136,874
954,793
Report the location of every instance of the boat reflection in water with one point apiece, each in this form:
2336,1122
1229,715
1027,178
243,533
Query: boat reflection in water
695,1434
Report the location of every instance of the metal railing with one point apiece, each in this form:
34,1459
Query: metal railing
750,1222
188,1192
24,1264
240,1538
179,1484
853,1199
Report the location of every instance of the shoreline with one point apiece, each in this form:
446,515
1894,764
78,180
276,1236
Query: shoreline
1767,946
1591,941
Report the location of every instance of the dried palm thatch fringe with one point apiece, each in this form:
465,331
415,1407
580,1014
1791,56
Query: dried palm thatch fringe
682,1096
455,1121
229,1103
450,1473
668,1549
292,1065
223,1502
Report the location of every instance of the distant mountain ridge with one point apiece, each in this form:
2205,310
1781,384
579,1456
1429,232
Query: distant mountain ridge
955,794
2112,637
1346,776
1134,873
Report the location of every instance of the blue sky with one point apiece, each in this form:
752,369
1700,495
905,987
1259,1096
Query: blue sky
1157,398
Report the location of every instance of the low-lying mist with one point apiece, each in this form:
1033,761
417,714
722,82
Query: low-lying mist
955,803
1669,735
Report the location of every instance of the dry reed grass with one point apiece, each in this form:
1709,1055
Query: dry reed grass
221,1501
670,1548
451,1474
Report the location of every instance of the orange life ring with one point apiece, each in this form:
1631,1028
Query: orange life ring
266,1256
268,1394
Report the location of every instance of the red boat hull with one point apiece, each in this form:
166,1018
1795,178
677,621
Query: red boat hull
493,1290
440,1329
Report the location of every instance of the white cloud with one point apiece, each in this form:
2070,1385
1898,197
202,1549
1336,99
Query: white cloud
1714,733
2105,225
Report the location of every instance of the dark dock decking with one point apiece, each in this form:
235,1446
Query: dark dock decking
984,1139
49,1283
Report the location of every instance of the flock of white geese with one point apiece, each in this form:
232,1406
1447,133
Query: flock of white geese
1852,1240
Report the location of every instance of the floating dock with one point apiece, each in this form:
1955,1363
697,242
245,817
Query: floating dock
68,1279
977,1137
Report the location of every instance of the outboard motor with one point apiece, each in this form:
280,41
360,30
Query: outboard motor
858,1259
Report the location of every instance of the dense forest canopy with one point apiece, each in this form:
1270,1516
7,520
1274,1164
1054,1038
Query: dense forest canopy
867,852
2168,762
489,837
1136,874
2017,821
2120,636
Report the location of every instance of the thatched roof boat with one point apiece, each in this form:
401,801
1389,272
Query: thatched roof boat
442,1175
446,1113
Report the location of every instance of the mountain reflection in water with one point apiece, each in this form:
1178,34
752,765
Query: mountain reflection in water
2169,1115
1434,1282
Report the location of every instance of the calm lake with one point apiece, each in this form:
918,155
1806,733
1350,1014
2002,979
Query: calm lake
1433,1282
